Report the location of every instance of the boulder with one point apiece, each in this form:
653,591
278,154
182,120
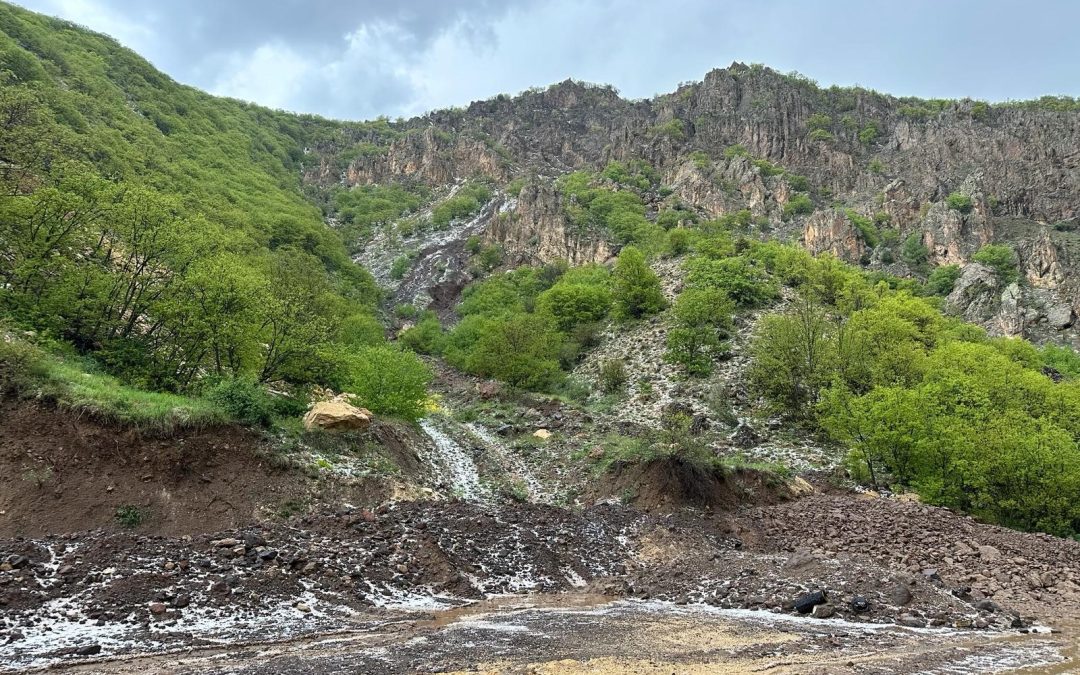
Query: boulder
542,434
337,415
804,604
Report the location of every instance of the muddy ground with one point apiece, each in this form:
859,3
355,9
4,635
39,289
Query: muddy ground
386,572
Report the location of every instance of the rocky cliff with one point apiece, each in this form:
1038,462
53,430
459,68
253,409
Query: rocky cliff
747,137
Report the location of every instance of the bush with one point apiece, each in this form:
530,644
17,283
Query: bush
799,204
637,290
942,280
960,202
426,337
746,283
21,369
387,381
572,304
820,135
1001,258
702,321
914,252
869,134
243,400
613,376
400,267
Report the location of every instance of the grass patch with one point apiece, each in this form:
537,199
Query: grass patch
75,384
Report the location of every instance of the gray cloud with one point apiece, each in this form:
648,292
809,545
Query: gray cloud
368,57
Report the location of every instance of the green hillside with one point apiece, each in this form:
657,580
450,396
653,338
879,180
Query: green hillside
161,229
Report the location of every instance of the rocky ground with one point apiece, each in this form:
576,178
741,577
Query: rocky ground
106,595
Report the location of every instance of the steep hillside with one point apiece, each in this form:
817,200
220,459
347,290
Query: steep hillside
901,185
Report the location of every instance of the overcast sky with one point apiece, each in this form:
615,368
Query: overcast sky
356,59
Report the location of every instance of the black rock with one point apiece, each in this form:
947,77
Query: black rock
88,650
986,605
859,604
805,603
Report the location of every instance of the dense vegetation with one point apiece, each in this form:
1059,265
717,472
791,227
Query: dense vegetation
162,231
924,401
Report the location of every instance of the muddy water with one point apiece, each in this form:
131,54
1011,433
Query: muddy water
580,633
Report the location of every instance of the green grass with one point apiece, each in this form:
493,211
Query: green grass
75,384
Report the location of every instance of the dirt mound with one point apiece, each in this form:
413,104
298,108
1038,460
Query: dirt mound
672,482
1033,573
60,473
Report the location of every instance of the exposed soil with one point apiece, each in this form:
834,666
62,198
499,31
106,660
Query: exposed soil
63,473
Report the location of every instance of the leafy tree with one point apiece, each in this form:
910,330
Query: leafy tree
572,304
702,321
387,381
637,290
739,278
799,204
792,358
521,350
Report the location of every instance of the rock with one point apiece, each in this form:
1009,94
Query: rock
804,604
302,607
823,611
88,650
989,553
337,415
182,601
800,560
859,604
911,621
17,562
745,436
900,595
1060,316
225,543
931,573
488,390
157,608
542,434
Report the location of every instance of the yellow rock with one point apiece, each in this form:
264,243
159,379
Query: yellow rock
336,415
542,434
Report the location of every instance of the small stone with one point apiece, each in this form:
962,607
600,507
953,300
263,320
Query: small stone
302,607
900,595
157,608
88,650
823,611
989,553
911,621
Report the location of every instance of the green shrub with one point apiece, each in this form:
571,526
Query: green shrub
942,280
129,516
960,202
701,323
914,252
737,150
1001,258
613,376
869,133
748,284
388,381
820,135
799,204
243,400
426,337
637,290
21,369
818,121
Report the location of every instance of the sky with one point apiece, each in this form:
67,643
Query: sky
358,59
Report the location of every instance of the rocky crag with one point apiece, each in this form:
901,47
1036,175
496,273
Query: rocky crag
885,175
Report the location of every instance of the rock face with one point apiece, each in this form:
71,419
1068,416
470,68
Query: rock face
831,231
741,139
539,229
337,414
